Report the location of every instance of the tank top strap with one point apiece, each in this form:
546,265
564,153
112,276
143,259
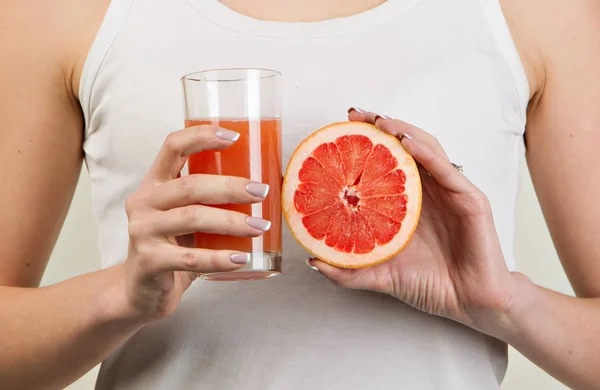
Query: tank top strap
114,19
500,30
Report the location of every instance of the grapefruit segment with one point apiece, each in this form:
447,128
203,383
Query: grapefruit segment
365,239
352,195
329,156
390,184
384,227
311,197
354,151
393,207
318,223
313,172
341,234
380,162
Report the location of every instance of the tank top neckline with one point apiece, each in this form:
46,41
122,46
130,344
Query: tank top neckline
225,17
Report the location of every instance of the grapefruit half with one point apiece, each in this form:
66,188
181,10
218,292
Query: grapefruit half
352,195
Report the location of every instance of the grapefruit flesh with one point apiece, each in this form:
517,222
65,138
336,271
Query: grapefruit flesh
352,195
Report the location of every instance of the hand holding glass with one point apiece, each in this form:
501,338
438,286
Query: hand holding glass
247,101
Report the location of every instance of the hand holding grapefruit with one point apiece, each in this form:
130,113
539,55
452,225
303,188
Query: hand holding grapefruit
453,266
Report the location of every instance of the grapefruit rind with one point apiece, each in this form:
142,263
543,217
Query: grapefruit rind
318,248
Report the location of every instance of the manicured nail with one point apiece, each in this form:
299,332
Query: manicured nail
257,189
240,258
311,266
228,135
385,117
407,136
359,110
258,223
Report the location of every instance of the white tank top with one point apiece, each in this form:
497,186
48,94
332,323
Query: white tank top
449,67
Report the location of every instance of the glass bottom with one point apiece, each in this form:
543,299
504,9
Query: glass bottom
262,265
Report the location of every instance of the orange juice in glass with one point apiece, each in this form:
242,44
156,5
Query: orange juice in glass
247,101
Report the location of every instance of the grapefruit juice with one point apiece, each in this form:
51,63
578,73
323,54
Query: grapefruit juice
256,155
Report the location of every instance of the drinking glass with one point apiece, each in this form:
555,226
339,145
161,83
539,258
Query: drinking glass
247,101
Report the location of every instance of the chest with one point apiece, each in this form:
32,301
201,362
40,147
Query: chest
451,81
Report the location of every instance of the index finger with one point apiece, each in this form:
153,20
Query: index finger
438,166
180,144
396,127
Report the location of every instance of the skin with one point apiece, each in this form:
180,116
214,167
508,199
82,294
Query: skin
88,317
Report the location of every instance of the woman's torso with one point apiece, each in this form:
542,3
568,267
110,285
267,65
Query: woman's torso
448,67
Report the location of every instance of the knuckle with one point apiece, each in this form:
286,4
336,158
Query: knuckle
188,259
172,142
147,257
231,222
135,229
428,158
204,129
214,260
433,141
480,201
229,187
187,186
131,205
189,214
430,139
201,134
439,149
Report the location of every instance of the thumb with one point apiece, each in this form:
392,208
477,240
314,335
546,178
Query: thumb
348,278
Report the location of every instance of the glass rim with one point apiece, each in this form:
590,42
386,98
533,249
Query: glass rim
190,76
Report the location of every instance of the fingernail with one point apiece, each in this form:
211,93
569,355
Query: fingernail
240,258
385,117
407,136
310,266
359,110
257,189
258,223
228,135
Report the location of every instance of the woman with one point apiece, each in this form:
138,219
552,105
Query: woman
450,68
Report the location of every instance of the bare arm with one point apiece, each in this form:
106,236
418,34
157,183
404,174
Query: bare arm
559,333
50,336
53,335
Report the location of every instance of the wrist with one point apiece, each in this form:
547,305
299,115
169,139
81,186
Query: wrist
505,323
114,305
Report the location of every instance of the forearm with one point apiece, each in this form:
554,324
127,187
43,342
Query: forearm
561,334
51,336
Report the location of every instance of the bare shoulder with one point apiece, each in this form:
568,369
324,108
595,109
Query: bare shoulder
42,46
36,35
552,35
